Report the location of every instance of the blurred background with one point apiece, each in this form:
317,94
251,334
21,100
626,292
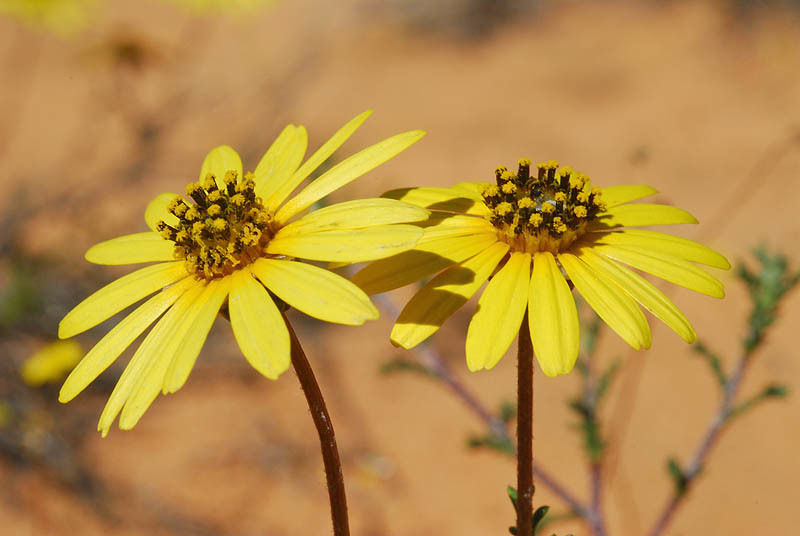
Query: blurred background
106,104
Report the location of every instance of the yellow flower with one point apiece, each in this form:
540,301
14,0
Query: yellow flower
61,16
235,239
240,6
571,235
51,363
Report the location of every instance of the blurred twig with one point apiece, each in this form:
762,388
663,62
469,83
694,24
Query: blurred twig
767,287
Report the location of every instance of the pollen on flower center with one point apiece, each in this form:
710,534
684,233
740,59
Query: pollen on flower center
546,212
223,230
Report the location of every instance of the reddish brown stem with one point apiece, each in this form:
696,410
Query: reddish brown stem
525,486
327,438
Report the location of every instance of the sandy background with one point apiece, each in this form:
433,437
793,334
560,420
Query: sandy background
694,98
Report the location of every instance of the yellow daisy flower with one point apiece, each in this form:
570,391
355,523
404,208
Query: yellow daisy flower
539,236
236,238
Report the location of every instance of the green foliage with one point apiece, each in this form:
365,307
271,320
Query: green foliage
767,286
713,360
508,411
680,480
20,298
586,407
538,515
494,439
770,391
496,442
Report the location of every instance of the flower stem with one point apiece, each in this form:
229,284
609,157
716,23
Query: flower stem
327,439
525,486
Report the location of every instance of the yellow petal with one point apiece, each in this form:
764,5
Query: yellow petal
500,310
118,295
148,352
279,194
156,211
219,161
617,195
357,245
132,249
552,317
667,267
636,215
471,189
447,224
315,291
609,301
356,215
455,200
279,163
119,338
642,291
434,252
151,377
444,295
193,331
258,326
665,243
346,171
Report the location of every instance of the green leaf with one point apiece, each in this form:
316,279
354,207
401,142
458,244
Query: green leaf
605,381
774,390
713,361
538,516
496,442
767,287
679,479
508,411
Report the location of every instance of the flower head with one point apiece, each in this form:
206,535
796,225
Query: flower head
536,235
231,244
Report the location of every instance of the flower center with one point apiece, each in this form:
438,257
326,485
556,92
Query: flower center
223,230
547,212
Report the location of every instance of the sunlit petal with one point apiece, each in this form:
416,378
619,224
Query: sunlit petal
642,291
346,171
258,326
315,291
443,295
552,317
609,301
118,295
499,315
132,249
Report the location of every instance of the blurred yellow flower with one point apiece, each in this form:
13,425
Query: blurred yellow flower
238,238
540,235
61,16
240,6
51,363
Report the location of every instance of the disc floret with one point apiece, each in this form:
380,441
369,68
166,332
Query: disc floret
223,230
545,212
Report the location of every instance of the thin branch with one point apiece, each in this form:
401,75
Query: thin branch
694,467
436,365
